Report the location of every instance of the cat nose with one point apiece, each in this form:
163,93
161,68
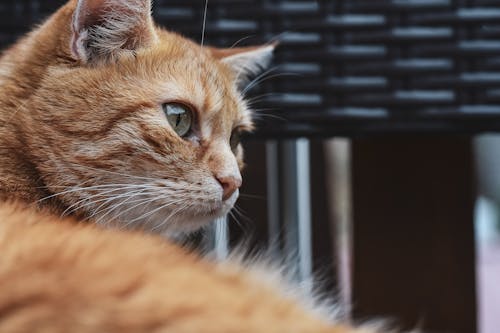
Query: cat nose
229,185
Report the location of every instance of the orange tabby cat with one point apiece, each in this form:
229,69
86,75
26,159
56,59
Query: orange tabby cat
106,118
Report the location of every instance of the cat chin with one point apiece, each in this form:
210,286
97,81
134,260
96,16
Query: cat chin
189,223
162,221
183,225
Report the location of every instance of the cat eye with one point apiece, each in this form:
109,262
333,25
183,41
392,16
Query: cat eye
235,140
180,117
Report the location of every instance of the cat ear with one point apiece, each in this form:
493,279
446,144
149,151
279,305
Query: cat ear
246,62
104,28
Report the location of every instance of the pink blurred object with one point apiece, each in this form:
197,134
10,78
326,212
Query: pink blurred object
488,278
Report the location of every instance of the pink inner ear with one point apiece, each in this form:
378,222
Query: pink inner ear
88,13
92,5
103,28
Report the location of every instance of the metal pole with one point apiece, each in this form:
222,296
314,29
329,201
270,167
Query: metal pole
273,197
297,206
221,238
216,239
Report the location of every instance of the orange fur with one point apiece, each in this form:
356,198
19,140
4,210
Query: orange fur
81,111
62,277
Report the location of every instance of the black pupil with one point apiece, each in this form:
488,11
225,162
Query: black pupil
179,118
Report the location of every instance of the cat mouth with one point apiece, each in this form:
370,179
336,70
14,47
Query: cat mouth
218,210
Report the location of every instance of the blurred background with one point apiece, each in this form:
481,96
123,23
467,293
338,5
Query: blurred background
376,164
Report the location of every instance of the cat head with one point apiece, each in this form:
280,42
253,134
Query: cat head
138,126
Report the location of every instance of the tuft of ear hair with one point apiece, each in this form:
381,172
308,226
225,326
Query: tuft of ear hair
246,62
102,29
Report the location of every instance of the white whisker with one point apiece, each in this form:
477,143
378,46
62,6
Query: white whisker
75,189
107,193
264,79
107,211
140,202
250,85
165,221
240,40
143,216
261,97
144,201
204,24
109,199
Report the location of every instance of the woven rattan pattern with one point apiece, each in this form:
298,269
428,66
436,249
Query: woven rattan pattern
347,67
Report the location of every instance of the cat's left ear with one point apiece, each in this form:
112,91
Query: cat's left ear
102,29
246,62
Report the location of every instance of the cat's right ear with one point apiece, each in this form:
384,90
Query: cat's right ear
102,29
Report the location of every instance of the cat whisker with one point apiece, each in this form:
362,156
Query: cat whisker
76,189
165,220
253,82
162,194
241,40
104,213
144,201
204,28
175,212
109,198
150,213
266,78
18,108
109,193
253,196
260,115
105,208
261,97
240,212
138,203
235,218
79,187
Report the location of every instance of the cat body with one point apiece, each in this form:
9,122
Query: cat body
62,277
110,120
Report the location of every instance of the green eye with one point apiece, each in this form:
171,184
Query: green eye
180,117
235,140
